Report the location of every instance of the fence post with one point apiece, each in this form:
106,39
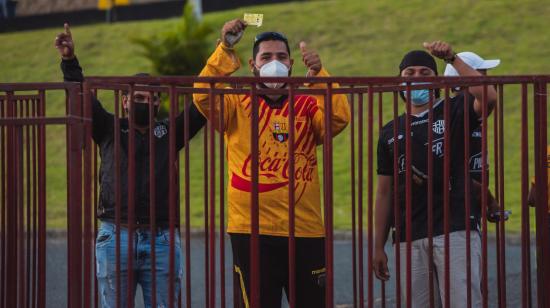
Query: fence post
11,211
75,136
541,179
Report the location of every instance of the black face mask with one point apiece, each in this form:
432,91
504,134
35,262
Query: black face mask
141,113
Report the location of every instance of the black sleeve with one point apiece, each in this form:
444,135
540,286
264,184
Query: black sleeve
457,111
72,71
196,122
384,156
102,121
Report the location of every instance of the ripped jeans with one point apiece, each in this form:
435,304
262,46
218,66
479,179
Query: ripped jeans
142,266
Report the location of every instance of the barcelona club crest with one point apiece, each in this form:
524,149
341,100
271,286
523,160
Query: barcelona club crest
280,133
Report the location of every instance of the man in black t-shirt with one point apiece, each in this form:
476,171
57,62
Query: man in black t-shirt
144,241
421,64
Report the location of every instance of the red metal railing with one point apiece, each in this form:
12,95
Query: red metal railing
23,122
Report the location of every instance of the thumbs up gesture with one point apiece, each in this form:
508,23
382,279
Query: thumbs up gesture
64,43
311,60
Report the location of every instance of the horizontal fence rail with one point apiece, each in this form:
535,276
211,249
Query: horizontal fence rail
152,205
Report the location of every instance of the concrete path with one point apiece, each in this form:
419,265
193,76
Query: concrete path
57,275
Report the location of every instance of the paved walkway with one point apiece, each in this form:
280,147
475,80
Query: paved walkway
57,273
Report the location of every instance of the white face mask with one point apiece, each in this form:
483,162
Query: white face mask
274,69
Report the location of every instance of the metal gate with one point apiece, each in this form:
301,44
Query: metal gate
24,119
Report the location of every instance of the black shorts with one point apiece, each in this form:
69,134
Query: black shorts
310,271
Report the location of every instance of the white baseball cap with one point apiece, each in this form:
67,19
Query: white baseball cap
474,61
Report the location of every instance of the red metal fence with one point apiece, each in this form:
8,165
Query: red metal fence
24,119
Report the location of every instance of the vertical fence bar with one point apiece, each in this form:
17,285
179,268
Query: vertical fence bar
187,205
353,201
11,232
95,203
484,196
496,155
291,200
380,125
370,203
541,180
360,199
153,200
34,302
525,228
408,195
74,134
396,205
118,198
131,217
206,221
254,208
467,189
41,296
501,223
19,165
172,211
222,212
446,197
88,242
28,200
327,162
212,211
4,206
429,155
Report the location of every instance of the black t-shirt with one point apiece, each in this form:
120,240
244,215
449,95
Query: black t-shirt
476,165
103,134
419,167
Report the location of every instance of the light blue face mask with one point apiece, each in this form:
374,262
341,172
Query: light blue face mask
418,97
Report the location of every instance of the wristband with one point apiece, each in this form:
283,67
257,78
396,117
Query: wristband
451,59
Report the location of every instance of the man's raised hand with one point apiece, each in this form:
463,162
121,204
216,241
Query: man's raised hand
64,43
311,60
232,32
439,49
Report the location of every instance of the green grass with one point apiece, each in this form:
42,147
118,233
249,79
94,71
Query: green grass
353,37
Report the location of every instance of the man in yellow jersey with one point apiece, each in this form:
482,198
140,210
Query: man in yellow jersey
271,57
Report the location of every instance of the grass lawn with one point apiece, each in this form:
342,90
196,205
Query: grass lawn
353,37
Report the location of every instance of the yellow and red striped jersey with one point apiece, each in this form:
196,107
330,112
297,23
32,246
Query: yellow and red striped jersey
273,152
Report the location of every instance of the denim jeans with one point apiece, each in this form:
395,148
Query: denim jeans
142,266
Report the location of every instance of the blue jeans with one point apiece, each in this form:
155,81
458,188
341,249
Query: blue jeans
142,266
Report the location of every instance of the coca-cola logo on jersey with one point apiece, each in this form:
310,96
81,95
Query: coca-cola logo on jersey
277,165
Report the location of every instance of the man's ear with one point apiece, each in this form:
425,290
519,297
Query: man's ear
125,101
251,64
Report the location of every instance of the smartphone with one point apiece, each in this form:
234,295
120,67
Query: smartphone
496,216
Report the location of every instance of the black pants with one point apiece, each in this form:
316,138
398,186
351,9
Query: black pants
310,271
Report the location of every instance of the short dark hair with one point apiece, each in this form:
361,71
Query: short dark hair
268,36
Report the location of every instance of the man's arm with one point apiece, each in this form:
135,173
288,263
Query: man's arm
382,218
444,51
340,115
223,62
383,206
492,205
196,122
102,121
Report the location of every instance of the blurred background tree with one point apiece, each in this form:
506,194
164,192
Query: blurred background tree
180,51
